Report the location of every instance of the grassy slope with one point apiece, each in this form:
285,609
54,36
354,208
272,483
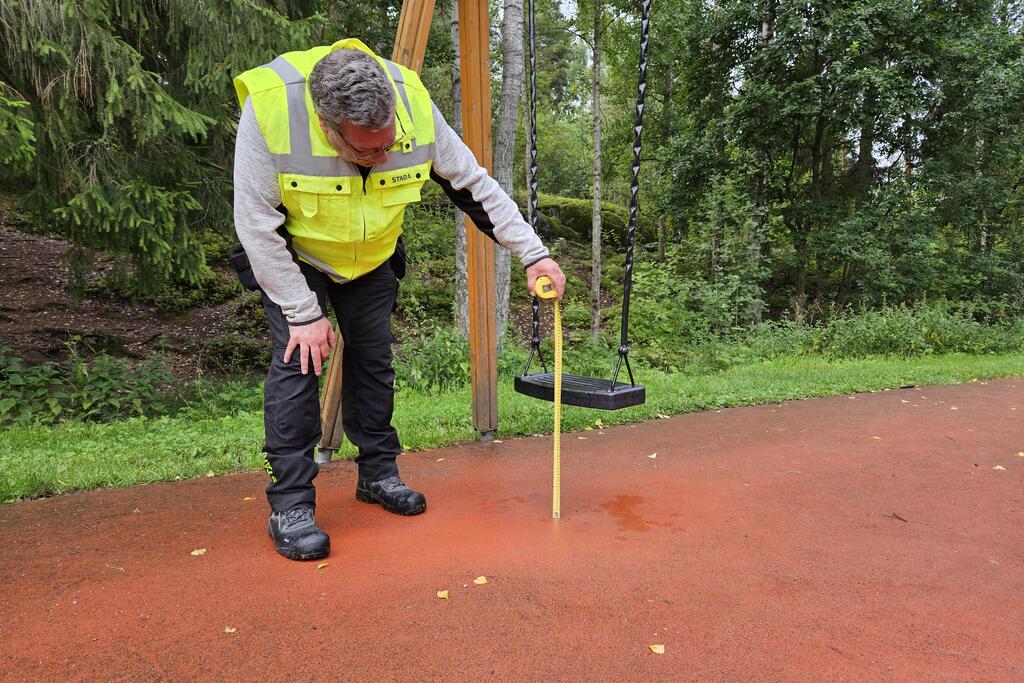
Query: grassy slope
74,456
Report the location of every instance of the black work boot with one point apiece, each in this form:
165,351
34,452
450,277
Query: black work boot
297,536
393,494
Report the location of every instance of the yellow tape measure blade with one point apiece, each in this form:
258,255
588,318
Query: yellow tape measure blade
546,289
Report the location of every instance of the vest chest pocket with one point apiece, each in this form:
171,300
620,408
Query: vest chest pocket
400,195
393,201
321,204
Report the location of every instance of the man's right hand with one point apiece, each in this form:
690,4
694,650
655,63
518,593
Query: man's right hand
315,338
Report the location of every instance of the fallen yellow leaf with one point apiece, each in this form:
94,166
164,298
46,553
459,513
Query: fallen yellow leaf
589,429
480,580
652,456
658,649
228,629
1021,454
443,595
322,565
440,459
210,473
248,499
199,552
599,423
877,438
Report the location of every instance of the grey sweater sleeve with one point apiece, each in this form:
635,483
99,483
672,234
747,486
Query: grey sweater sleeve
257,219
479,195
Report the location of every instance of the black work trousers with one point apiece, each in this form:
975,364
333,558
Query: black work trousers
291,405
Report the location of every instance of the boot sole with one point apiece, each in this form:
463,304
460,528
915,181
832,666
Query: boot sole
366,497
293,554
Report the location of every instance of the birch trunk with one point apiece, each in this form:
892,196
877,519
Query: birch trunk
756,307
595,231
512,71
461,263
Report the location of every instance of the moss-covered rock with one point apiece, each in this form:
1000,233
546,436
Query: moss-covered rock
575,218
570,219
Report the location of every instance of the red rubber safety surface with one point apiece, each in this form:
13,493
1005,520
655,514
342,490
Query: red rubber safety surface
862,538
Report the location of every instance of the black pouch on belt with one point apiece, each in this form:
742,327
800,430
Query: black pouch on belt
397,259
240,261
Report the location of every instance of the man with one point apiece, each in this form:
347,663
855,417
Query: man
333,144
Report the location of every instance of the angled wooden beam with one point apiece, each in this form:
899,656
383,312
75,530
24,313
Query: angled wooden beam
474,24
413,33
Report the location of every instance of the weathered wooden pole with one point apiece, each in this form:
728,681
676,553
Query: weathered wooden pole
476,131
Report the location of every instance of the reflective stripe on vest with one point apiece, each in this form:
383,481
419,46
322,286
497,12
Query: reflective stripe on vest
340,224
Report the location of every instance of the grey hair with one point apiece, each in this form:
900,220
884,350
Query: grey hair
350,85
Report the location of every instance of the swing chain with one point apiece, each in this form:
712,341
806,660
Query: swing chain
533,207
535,341
634,188
623,357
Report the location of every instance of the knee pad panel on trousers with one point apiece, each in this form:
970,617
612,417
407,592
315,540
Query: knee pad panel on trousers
291,424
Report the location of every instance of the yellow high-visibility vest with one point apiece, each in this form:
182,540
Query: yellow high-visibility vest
341,224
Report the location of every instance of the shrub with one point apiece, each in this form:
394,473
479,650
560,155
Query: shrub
204,399
778,338
103,389
235,353
176,297
429,227
427,293
917,330
247,316
434,361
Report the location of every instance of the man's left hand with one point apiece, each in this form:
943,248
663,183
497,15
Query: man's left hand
547,267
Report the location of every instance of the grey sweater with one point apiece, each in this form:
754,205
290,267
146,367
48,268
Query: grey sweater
257,218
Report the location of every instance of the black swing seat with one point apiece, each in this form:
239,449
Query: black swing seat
578,390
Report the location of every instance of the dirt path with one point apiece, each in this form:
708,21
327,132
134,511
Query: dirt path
857,538
38,316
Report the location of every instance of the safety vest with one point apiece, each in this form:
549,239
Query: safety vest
339,223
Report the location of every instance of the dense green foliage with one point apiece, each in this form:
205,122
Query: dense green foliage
107,388
118,116
804,157
810,156
225,435
433,358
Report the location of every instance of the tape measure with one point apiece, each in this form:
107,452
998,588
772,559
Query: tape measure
546,290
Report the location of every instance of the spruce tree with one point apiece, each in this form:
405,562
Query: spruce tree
117,117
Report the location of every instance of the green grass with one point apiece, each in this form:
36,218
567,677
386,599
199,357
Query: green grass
42,460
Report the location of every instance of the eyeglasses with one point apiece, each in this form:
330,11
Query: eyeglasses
366,155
